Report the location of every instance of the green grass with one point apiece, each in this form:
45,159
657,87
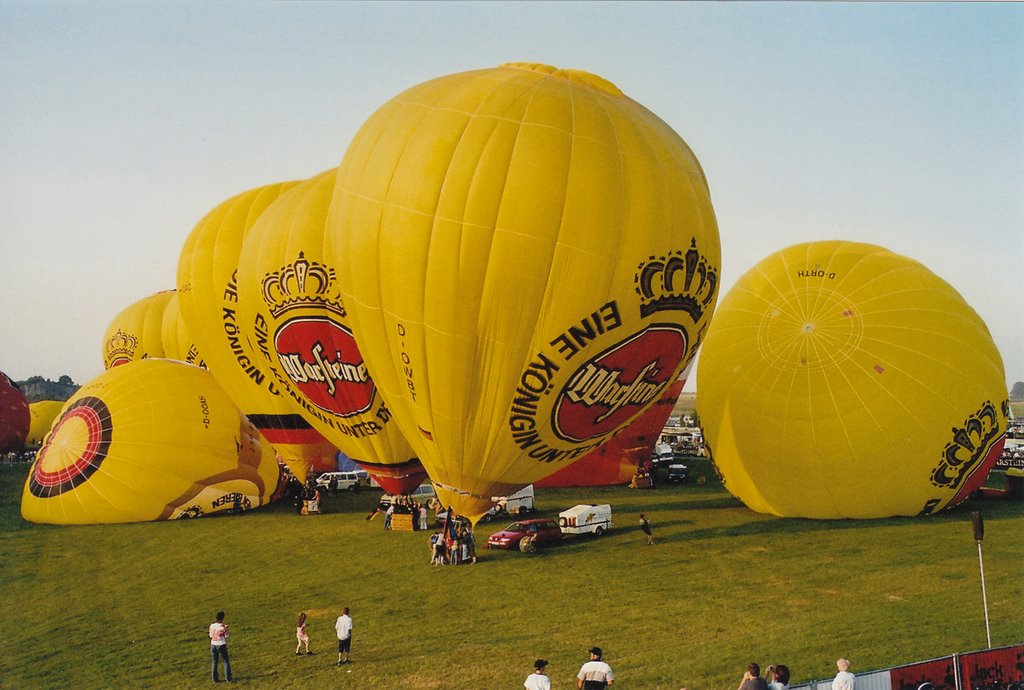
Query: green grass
128,605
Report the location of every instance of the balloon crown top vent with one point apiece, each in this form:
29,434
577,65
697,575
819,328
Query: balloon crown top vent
574,75
302,283
121,344
676,282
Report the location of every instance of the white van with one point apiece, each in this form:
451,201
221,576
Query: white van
422,493
586,519
519,503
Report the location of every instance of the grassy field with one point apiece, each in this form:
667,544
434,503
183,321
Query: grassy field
128,605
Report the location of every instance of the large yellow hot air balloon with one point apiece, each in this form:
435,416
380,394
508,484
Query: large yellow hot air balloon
178,343
151,440
529,257
290,307
136,333
841,380
42,415
208,297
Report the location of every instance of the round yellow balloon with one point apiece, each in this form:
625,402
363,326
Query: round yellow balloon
42,415
530,257
137,332
290,307
841,380
178,343
151,440
208,296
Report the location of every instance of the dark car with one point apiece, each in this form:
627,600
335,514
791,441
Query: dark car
543,530
678,474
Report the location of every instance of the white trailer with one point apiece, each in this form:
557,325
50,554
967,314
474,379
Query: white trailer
586,518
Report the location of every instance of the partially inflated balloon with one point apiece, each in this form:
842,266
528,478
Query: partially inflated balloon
840,380
137,332
178,343
42,414
152,440
14,415
208,298
290,307
530,258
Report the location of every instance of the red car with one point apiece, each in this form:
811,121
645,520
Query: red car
544,530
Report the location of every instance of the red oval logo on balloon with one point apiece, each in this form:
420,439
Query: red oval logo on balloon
322,360
613,387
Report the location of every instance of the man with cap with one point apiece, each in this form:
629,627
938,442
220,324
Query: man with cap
538,680
595,674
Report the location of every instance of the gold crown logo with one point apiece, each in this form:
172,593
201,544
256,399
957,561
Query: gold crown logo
121,344
302,283
676,282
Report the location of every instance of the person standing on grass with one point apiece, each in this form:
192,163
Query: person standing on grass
538,680
844,680
300,634
219,647
645,527
344,627
594,674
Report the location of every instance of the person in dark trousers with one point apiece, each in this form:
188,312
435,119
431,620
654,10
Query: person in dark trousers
645,527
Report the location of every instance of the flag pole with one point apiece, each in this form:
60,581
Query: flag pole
979,534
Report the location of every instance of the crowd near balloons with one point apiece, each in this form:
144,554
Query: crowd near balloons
508,274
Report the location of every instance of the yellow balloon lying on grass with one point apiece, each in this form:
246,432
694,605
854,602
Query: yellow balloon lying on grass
528,257
841,380
151,440
290,307
137,331
208,295
42,415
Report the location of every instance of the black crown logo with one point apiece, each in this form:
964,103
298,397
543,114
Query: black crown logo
676,282
121,344
968,448
302,283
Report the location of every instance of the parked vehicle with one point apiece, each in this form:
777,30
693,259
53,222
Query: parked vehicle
517,504
586,518
662,453
541,531
422,493
678,474
341,481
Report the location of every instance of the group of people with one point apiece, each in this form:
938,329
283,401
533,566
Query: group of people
219,641
453,543
402,505
776,677
594,674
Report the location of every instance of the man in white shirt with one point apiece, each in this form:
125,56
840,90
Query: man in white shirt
538,680
844,680
219,646
595,674
344,627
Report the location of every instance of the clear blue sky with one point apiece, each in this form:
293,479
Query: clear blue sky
123,123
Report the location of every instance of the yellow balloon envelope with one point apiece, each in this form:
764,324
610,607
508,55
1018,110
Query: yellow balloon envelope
290,307
151,440
42,415
208,296
178,343
530,258
841,380
137,332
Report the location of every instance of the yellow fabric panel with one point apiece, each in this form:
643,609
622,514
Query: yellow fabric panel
42,414
493,227
833,380
149,440
137,332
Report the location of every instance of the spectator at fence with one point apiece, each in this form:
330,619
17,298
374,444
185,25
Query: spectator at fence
844,680
780,679
752,679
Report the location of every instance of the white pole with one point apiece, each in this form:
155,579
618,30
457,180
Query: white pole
984,596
